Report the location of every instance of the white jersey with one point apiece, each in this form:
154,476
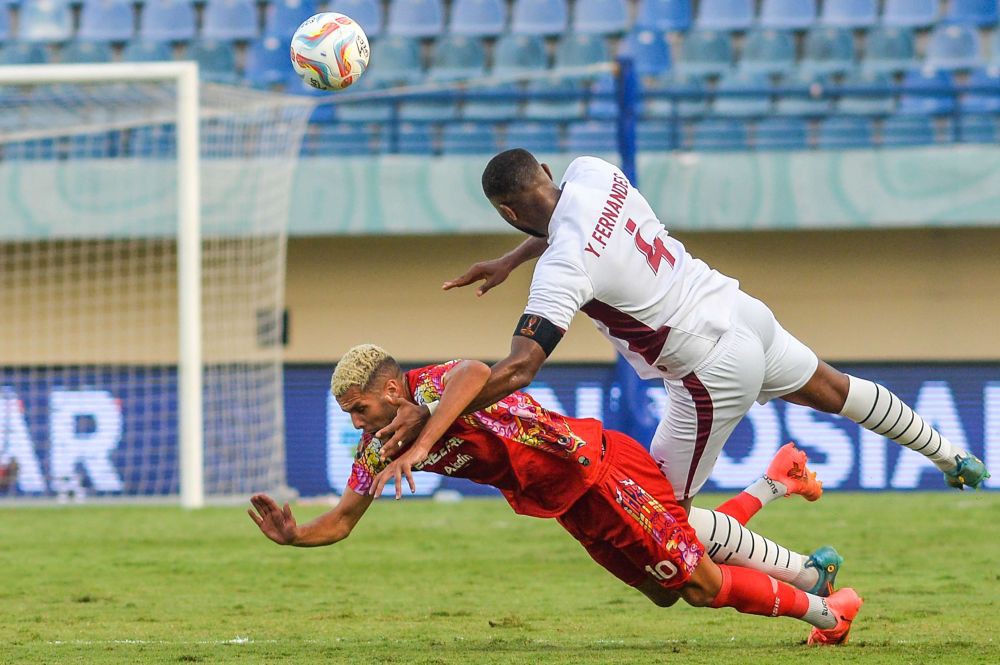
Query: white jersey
610,257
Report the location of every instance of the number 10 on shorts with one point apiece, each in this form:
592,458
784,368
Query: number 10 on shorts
662,571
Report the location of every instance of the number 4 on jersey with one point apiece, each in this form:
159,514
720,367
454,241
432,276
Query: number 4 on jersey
654,253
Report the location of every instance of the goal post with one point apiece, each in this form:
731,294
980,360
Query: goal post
199,405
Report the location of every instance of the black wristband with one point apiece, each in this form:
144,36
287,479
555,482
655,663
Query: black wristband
540,329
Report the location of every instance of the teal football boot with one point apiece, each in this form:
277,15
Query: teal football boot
969,471
827,562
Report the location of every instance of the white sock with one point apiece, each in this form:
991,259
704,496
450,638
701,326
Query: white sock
819,614
876,408
728,541
766,490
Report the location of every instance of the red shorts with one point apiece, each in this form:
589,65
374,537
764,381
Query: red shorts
630,522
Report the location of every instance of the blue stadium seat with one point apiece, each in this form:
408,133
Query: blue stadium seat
234,20
106,21
922,93
79,52
139,50
367,14
416,18
907,130
850,13
581,50
953,47
866,93
788,14
534,137
283,17
690,100
664,15
478,18
889,50
569,105
841,132
602,104
591,138
167,20
649,51
412,139
781,134
45,21
987,98
977,128
437,107
267,62
470,138
499,102
216,60
539,17
719,134
398,62
600,17
367,111
656,135
21,53
807,100
338,139
725,14
706,53
457,57
756,103
910,13
980,13
828,51
519,53
768,52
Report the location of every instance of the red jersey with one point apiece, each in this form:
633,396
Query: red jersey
540,460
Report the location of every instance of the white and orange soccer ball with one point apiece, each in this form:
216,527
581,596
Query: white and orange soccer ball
330,51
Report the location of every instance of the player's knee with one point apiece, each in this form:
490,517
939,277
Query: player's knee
666,598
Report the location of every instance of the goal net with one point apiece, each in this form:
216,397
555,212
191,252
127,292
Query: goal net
142,250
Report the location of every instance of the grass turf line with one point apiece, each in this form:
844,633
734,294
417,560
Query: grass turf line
423,582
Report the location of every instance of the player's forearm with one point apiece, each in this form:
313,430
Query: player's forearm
506,377
326,529
463,384
530,249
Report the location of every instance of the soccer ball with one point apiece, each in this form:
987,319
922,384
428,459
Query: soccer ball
330,51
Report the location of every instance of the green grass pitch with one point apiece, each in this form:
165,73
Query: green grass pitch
470,582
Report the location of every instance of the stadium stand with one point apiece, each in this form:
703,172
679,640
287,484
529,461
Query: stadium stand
781,134
649,51
980,13
725,14
768,52
282,17
664,15
828,51
539,17
850,13
478,18
106,21
167,20
416,18
910,13
788,14
600,17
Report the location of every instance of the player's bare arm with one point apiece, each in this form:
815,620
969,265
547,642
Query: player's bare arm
511,374
278,523
461,385
496,271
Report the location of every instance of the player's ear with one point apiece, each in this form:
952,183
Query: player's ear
548,171
507,213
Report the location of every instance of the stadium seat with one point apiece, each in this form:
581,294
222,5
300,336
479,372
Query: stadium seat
338,139
566,102
757,101
535,137
689,100
21,53
519,53
602,104
600,17
889,50
234,20
828,51
806,101
980,13
976,128
987,98
478,18
706,53
591,138
267,62
79,52
216,60
907,130
768,52
398,62
416,18
499,102
781,134
664,15
649,52
435,107
866,93
367,14
656,135
106,21
725,14
45,21
953,47
718,134
470,138
788,14
167,20
539,17
139,50
457,57
283,17
845,132
581,50
411,139
923,93
4,25
850,13
910,13
370,110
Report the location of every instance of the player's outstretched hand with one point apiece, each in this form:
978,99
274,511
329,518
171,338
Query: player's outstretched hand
494,272
404,428
396,471
274,522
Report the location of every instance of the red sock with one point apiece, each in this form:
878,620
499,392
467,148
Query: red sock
741,507
752,592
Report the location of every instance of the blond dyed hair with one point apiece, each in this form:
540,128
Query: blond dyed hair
360,366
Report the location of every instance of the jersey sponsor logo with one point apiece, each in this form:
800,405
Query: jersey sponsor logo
605,225
438,454
461,460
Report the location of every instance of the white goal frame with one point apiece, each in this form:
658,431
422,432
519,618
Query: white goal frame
189,367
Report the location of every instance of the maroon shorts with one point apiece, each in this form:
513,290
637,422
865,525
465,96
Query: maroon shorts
630,522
